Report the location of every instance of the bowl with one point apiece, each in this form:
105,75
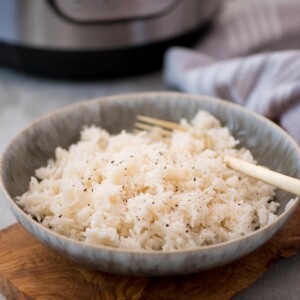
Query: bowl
270,145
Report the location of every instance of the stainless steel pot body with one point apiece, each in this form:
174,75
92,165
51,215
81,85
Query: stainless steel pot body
99,24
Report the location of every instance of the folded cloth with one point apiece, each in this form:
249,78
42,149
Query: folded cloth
248,26
267,82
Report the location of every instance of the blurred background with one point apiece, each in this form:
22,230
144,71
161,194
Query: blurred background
55,53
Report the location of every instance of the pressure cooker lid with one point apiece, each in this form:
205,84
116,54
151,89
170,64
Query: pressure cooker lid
112,10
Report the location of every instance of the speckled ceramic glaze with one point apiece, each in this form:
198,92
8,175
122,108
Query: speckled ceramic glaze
270,145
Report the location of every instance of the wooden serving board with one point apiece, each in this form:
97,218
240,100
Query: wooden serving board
28,270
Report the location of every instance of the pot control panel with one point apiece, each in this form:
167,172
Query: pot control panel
112,10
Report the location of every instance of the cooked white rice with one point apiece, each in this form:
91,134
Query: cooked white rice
137,191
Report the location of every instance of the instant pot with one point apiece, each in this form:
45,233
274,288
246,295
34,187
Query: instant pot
97,38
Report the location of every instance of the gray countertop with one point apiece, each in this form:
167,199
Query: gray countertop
24,98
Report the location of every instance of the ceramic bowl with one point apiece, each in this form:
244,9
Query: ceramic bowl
270,145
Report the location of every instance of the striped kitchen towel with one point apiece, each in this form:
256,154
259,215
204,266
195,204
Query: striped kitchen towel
237,60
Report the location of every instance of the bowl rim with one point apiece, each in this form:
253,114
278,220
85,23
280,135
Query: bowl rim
129,97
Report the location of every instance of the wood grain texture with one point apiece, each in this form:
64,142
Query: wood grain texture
28,270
